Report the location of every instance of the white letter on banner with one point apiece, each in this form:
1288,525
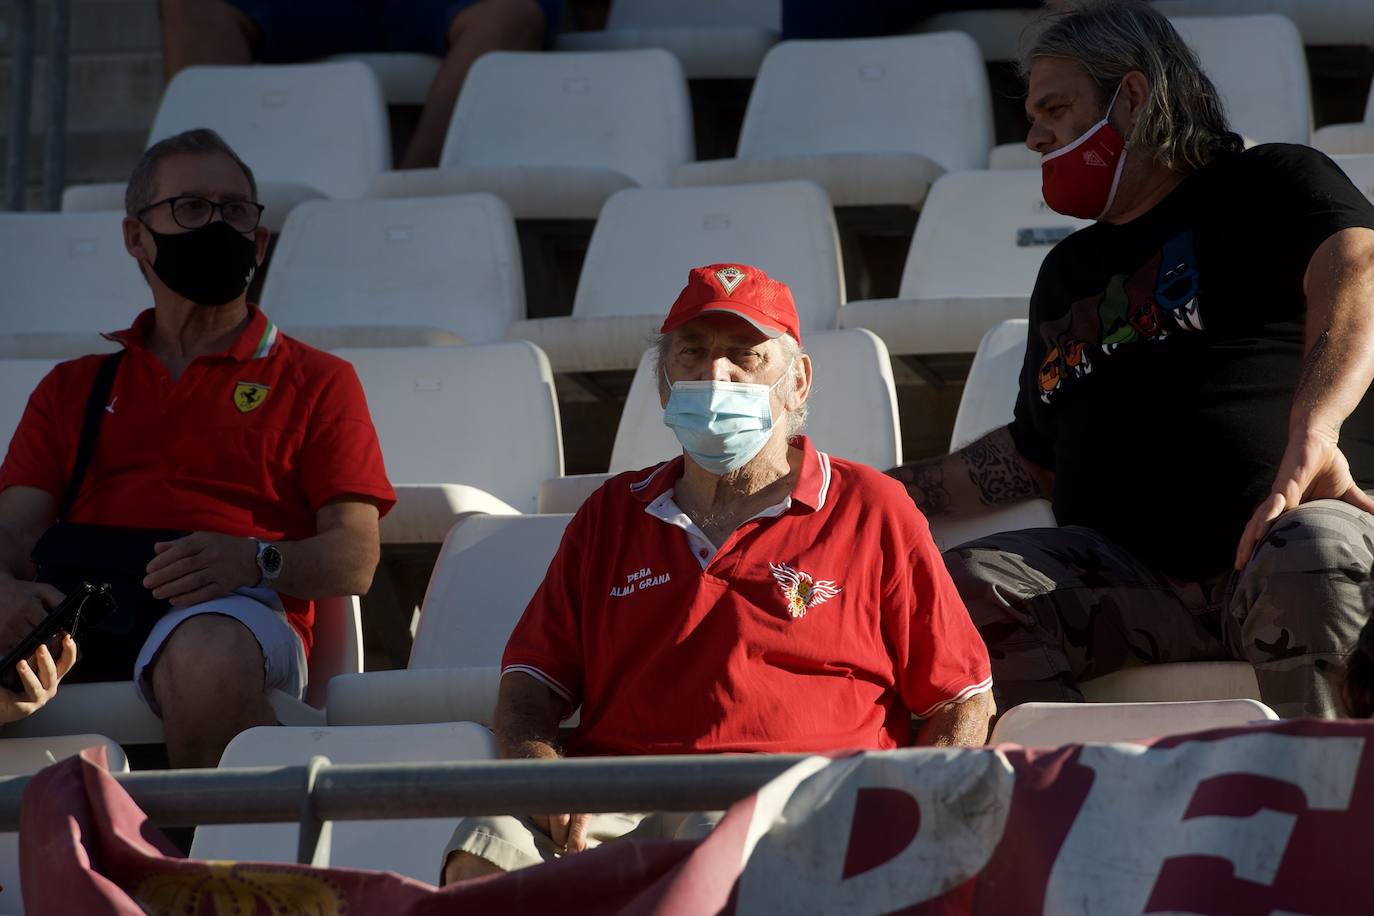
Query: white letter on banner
955,807
1132,819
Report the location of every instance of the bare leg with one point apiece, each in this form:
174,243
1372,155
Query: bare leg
464,866
208,679
488,25
205,32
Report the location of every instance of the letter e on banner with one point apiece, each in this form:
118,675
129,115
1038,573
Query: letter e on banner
1105,869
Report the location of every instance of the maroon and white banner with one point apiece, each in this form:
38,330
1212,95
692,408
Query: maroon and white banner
1269,818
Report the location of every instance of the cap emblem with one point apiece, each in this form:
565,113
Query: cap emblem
730,278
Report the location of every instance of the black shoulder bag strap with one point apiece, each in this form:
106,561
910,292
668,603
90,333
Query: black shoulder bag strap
90,428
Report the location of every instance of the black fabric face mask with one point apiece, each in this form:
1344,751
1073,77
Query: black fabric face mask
211,266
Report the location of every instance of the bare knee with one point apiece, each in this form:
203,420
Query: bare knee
210,659
464,866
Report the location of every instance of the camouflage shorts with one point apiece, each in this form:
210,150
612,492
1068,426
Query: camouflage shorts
1060,605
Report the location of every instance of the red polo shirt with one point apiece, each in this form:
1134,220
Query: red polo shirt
251,441
820,624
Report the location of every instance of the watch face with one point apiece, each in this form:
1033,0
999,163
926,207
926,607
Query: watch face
270,560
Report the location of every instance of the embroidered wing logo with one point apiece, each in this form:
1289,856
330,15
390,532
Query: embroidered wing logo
249,395
730,277
801,591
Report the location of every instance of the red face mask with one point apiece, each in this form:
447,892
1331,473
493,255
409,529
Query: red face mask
1081,178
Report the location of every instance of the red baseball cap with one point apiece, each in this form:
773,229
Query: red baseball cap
740,290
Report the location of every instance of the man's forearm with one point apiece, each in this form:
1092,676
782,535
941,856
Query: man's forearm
527,718
989,472
1339,361
963,724
336,562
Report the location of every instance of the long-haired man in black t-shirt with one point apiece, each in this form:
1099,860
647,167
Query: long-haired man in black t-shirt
1193,398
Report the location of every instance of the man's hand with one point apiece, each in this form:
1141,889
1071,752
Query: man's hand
1312,467
23,605
38,676
200,567
568,831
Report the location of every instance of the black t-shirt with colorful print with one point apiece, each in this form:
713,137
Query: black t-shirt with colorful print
1163,354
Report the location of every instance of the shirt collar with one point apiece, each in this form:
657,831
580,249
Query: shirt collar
813,486
255,341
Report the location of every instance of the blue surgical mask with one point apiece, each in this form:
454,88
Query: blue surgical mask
721,425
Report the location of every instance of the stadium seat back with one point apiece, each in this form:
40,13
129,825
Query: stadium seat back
983,234
487,571
1360,169
451,263
409,847
320,124
852,408
699,14
1053,724
19,377
914,93
1258,66
485,416
648,238
993,382
68,272
627,111
24,757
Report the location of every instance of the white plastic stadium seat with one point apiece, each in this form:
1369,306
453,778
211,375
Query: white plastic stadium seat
554,135
67,279
409,847
484,418
1360,169
648,239
306,130
972,263
1258,65
405,76
872,120
853,414
487,571
987,403
24,757
1053,724
115,708
714,39
1321,22
357,273
19,377
1357,138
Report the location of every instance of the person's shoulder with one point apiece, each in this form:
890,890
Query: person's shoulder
875,490
1273,162
309,360
75,373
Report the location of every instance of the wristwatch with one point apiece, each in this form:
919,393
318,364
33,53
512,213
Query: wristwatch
269,560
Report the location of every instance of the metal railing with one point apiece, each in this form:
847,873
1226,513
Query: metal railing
55,130
320,792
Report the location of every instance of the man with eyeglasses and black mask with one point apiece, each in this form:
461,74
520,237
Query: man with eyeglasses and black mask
242,463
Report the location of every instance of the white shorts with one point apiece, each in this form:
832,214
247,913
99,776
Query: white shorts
258,609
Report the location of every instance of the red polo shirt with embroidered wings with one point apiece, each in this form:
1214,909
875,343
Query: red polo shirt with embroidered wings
250,442
820,624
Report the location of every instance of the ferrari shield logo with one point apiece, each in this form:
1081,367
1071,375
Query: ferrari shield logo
249,396
729,277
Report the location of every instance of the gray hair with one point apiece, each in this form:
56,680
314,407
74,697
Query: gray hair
202,141
796,416
1183,123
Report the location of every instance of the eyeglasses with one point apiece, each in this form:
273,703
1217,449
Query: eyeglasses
193,212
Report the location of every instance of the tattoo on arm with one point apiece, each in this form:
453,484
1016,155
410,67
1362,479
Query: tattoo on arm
925,482
998,476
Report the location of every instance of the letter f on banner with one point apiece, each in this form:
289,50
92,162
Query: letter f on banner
1102,870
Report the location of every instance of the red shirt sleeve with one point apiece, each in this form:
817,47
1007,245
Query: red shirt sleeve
341,456
43,446
942,659
547,642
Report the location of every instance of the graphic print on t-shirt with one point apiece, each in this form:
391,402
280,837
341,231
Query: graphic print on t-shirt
1148,305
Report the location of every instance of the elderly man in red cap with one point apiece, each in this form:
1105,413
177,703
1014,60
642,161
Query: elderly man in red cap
751,595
